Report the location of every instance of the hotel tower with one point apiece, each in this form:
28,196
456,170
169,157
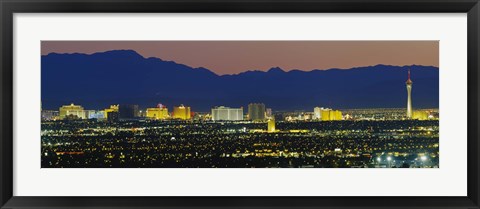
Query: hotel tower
409,100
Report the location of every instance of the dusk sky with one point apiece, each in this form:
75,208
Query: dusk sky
231,57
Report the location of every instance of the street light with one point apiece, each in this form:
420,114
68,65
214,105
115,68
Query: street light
389,159
423,158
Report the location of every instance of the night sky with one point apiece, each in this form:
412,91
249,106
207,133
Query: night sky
232,57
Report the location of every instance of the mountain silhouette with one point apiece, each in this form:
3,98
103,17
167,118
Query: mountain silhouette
98,80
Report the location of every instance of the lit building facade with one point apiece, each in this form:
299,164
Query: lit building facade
157,113
181,112
268,112
94,114
271,125
317,113
89,114
409,96
71,110
113,108
420,115
330,115
325,114
256,111
337,115
227,113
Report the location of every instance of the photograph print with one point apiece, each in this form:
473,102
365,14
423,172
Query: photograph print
240,104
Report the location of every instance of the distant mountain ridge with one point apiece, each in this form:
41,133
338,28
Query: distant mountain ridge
124,76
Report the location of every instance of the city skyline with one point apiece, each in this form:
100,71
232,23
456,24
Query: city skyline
233,57
256,112
122,109
154,81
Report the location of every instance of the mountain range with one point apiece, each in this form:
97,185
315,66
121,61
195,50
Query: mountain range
98,80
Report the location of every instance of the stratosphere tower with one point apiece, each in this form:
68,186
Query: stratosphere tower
409,94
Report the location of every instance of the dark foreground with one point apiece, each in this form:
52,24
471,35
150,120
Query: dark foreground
185,144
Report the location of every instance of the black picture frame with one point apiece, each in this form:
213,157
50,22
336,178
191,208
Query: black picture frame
9,7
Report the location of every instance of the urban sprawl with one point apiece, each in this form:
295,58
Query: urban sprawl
125,136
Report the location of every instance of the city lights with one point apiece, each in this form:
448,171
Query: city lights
269,143
423,158
129,135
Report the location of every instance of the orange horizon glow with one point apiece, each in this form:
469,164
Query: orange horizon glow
232,57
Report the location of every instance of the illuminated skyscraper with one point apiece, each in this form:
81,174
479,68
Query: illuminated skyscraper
337,115
158,113
181,112
227,113
72,111
409,94
268,112
327,114
271,125
317,113
113,108
256,111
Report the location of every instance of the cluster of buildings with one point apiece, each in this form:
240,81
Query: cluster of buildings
326,114
389,114
158,113
424,115
161,112
256,112
318,114
227,113
116,112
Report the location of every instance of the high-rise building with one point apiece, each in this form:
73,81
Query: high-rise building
71,111
158,113
307,116
181,112
337,115
317,113
329,114
142,114
256,111
268,112
271,125
227,113
325,114
128,111
409,95
113,108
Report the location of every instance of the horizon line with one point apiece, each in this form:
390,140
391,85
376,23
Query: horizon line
251,70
